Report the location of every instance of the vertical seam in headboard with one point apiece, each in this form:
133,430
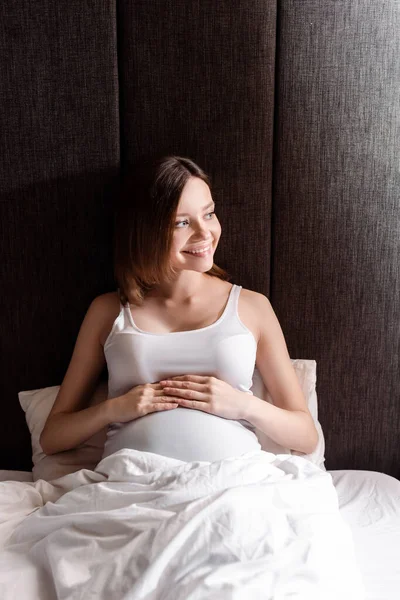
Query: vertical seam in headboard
275,137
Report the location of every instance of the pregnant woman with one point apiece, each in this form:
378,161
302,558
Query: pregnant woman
180,342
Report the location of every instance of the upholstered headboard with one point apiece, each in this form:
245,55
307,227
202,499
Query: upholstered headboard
292,108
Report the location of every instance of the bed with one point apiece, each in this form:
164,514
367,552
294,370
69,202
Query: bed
370,504
299,104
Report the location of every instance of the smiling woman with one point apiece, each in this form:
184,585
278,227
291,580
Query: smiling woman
149,227
179,341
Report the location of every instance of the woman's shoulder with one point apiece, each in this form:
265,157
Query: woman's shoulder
255,299
107,308
106,302
252,299
252,308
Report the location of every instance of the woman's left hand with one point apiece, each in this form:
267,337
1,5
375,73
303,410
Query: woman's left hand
208,394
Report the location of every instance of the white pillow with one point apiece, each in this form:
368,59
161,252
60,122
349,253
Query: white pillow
306,371
37,404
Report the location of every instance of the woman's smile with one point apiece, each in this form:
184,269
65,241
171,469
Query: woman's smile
200,253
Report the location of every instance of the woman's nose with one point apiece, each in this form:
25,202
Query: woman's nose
202,230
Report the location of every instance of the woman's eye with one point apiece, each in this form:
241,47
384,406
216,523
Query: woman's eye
179,223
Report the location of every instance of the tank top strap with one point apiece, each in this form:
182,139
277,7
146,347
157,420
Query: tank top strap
231,309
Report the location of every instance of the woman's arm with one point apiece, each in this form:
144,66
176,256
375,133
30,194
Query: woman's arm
288,421
65,431
70,423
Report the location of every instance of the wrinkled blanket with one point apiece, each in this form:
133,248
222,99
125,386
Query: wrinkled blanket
142,526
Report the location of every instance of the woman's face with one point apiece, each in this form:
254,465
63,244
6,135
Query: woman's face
196,228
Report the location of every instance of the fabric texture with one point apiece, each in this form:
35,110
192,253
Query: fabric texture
335,283
59,147
145,526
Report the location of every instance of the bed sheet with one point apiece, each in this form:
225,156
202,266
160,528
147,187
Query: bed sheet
246,527
370,504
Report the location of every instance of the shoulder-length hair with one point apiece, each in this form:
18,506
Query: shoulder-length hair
144,224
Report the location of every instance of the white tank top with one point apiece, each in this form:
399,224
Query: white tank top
226,349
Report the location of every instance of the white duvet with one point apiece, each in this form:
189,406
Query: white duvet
142,526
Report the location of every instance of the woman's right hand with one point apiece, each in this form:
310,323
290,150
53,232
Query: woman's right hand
140,401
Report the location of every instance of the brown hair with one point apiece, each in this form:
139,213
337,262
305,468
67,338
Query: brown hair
144,224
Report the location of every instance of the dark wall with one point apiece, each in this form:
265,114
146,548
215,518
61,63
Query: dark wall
336,231
59,148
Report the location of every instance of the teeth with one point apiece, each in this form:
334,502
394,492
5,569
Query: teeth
199,251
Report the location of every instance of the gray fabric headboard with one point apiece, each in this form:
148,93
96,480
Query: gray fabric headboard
293,110
335,280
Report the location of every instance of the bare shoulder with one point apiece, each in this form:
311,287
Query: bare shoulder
106,300
255,300
269,329
255,311
106,307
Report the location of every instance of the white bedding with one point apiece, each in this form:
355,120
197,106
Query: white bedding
370,504
255,527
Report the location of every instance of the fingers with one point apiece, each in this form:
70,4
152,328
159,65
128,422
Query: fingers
163,406
155,393
159,397
159,392
194,378
172,385
195,404
189,394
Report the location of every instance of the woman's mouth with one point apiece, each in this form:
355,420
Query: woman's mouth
199,253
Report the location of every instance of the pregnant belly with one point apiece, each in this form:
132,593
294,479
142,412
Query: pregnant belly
184,434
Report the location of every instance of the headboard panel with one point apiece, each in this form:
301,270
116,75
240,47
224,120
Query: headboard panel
59,147
336,230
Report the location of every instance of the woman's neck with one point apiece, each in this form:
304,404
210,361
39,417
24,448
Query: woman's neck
187,286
